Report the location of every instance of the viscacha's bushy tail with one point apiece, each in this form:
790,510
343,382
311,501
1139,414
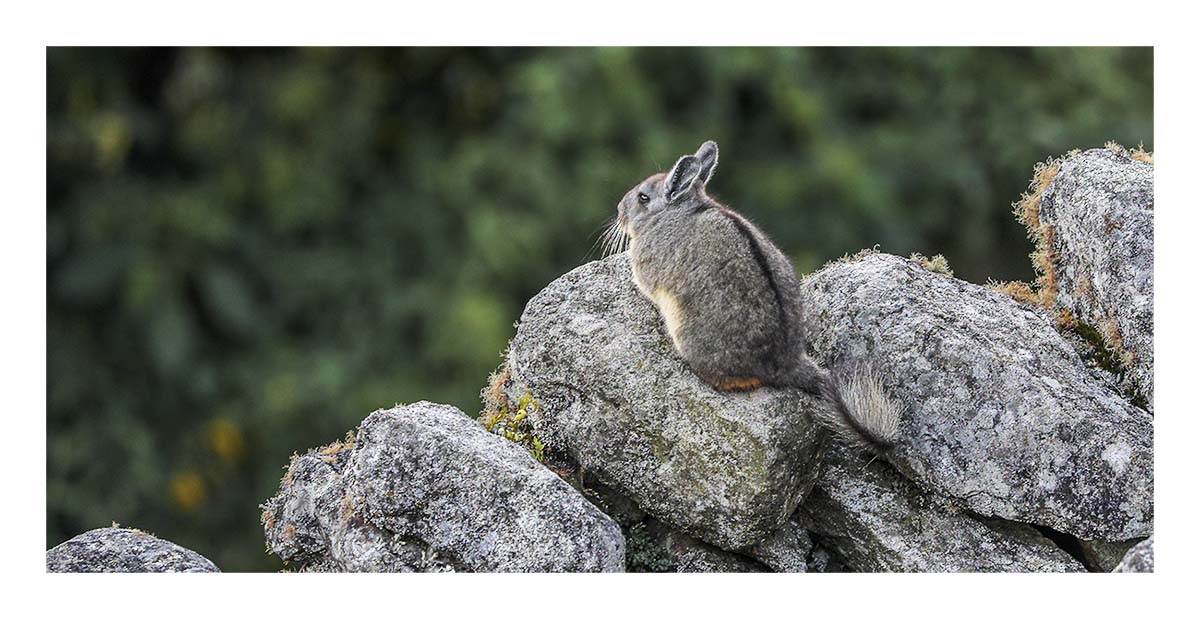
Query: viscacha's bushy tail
858,410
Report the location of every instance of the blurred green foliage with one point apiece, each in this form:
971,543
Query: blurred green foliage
249,250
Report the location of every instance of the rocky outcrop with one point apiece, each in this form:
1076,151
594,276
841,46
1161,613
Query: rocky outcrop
878,521
1140,558
1020,448
115,549
1000,412
425,488
1094,220
614,397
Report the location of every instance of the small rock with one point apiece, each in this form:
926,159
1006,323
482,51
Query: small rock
1101,556
114,549
1140,558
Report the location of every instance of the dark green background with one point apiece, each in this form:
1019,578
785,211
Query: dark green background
250,250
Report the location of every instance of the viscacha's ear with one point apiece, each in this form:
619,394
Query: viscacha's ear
707,154
681,177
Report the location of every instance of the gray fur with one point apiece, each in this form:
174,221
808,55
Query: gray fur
731,299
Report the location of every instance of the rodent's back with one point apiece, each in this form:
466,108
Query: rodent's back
734,295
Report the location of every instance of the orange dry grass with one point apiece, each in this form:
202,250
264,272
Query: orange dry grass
1027,211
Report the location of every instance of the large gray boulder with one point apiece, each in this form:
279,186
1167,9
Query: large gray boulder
878,521
114,549
614,397
423,487
1140,558
1096,218
1000,411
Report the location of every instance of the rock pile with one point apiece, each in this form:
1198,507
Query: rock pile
1025,445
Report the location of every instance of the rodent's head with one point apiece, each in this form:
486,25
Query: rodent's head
681,189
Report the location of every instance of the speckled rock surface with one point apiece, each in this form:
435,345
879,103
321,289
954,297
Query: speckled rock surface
726,468
1140,558
694,556
1000,411
787,550
878,521
652,546
824,561
1100,207
425,488
1101,556
679,552
114,549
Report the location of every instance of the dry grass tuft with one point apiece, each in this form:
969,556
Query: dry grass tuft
1114,341
1083,290
937,264
505,417
860,254
850,258
1017,290
1141,154
1044,260
289,477
1138,154
1028,212
329,452
494,398
1026,209
1065,320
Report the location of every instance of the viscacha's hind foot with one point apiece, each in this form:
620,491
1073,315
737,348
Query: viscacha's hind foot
738,384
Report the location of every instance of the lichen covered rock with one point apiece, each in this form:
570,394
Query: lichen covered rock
1140,558
1096,221
425,488
1000,412
615,397
115,549
878,521
664,549
789,549
1101,556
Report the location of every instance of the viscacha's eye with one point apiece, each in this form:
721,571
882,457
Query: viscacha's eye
643,198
